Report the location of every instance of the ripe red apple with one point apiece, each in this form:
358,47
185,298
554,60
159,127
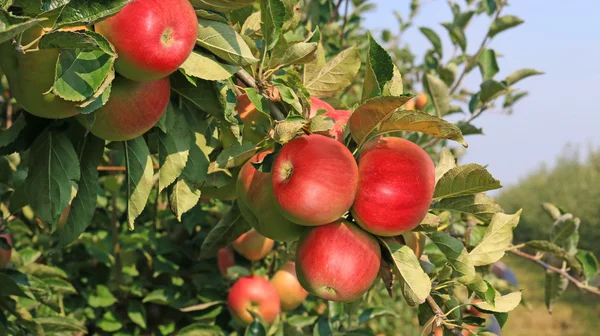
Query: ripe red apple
252,245
337,261
314,180
5,254
414,240
291,293
152,37
132,109
395,188
255,122
225,260
340,117
258,206
256,294
317,104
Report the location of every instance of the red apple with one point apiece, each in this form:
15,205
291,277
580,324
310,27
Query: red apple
473,310
340,117
252,245
421,101
316,105
395,188
258,206
225,260
152,37
337,261
256,123
314,180
291,293
256,294
132,109
5,254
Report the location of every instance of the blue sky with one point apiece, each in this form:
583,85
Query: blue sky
561,40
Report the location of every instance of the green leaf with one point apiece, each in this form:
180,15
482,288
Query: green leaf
137,313
371,313
83,39
204,95
43,271
84,204
433,37
457,35
445,163
272,14
546,246
298,53
518,75
502,304
378,71
462,19
23,132
53,168
487,64
589,262
491,89
139,177
468,129
489,6
496,240
202,65
552,210
220,39
102,298
9,287
59,286
236,155
11,26
200,329
286,130
255,329
228,229
321,124
448,74
312,68
84,12
562,231
221,5
60,324
196,169
503,23
465,180
438,91
173,151
183,197
110,322
414,283
479,205
335,75
205,14
555,286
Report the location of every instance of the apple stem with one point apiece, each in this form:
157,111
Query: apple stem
439,313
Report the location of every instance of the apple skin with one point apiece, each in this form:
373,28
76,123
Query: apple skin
253,120
395,188
414,240
152,37
225,259
5,254
409,105
340,117
258,205
314,180
421,101
338,261
254,293
473,310
132,109
252,245
291,293
317,104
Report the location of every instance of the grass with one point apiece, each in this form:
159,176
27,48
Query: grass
575,314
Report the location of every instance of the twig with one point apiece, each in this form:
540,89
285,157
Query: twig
247,79
557,270
439,313
117,168
115,238
345,21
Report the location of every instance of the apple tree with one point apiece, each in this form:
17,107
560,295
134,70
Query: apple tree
268,167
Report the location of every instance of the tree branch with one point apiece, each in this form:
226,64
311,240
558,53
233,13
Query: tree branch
345,21
247,79
440,314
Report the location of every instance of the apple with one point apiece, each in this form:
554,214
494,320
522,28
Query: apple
340,118
258,206
421,101
225,260
409,105
317,104
252,245
291,293
256,294
256,123
338,261
473,310
5,254
152,37
132,109
395,188
314,180
62,220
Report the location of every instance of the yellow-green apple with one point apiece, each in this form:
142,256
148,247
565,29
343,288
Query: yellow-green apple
5,254
421,101
337,261
314,180
132,109
256,294
252,245
258,206
225,260
291,293
395,187
256,123
152,37
414,240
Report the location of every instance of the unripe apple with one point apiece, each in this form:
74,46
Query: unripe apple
314,180
421,101
337,261
152,37
255,122
256,294
414,240
252,245
291,293
5,254
258,205
395,188
225,259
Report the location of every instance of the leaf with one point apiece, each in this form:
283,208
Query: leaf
286,130
205,14
368,116
23,132
183,197
272,13
84,204
503,23
221,5
489,6
555,286
457,35
228,229
546,246
438,91
43,271
502,304
552,210
9,287
102,298
139,177
173,151
563,229
11,25
491,89
110,322
518,75
433,37
335,75
236,155
394,87
220,39
202,65
59,324
53,167
297,53
378,71
445,163
479,205
204,95
588,262
448,74
196,169
467,128
256,328
371,313
84,12
137,313
59,286
321,124
487,64
82,39
312,68
465,180
200,329
414,283
496,240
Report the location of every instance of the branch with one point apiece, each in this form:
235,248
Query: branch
440,314
562,272
247,79
117,168
345,21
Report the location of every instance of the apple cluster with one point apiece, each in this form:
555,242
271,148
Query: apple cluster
152,38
